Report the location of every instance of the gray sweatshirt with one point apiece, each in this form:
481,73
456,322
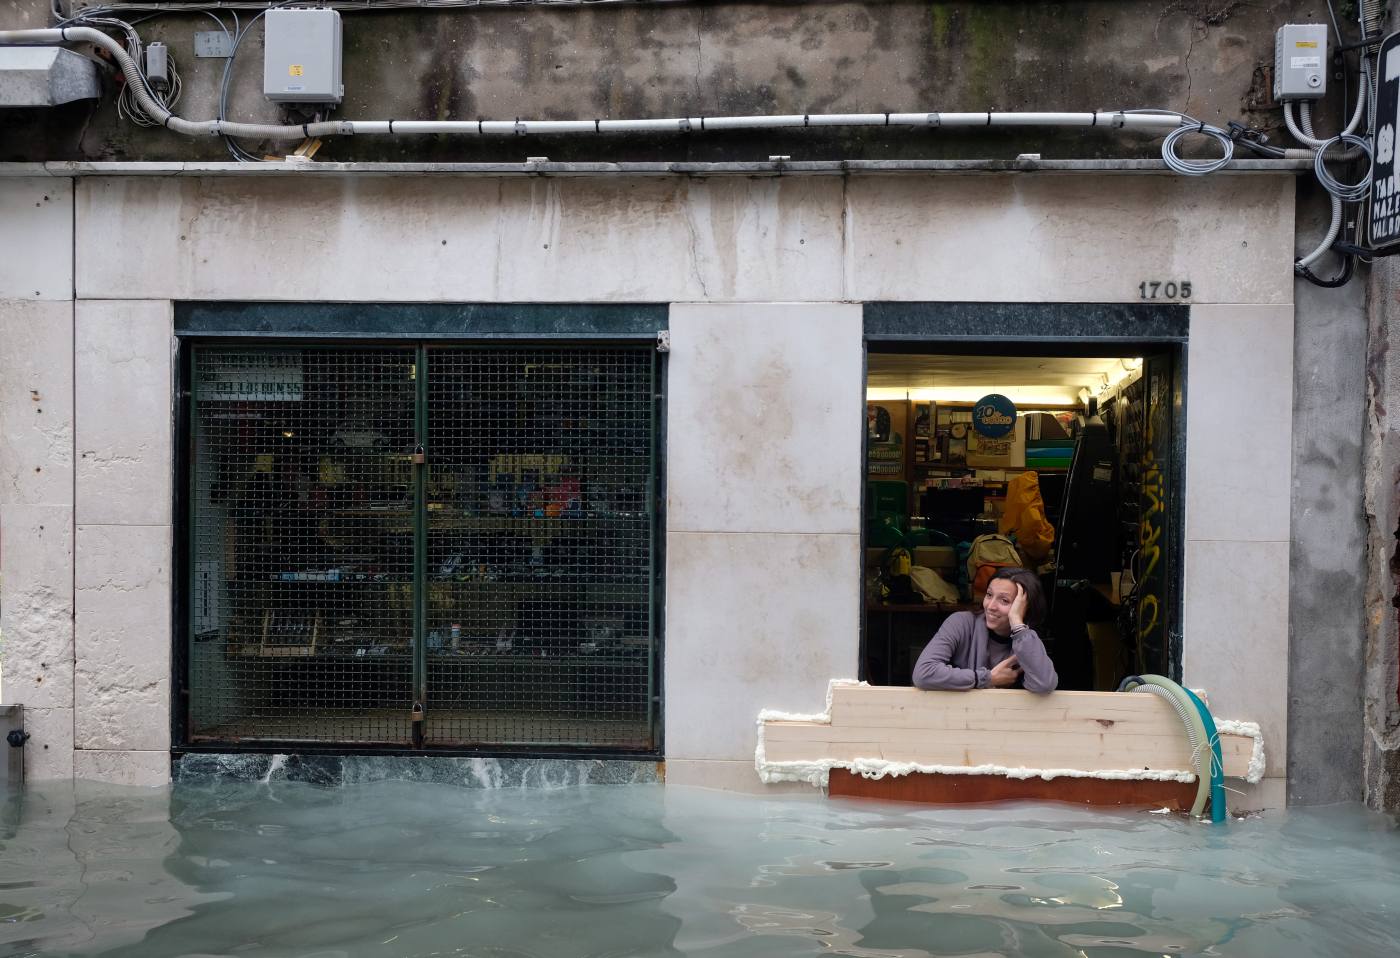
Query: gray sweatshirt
963,652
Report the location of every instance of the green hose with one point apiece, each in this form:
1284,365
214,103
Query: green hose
1196,735
1217,764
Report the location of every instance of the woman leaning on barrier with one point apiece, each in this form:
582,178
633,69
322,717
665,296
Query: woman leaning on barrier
996,648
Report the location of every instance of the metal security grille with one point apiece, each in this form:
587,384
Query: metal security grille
303,524
430,546
539,546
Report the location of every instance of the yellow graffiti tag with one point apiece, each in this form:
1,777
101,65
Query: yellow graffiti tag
1149,543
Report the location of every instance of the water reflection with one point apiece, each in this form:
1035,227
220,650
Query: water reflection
422,869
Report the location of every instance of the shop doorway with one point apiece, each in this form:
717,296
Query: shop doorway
422,545
1073,453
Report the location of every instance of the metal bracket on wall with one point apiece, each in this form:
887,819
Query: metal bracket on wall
213,43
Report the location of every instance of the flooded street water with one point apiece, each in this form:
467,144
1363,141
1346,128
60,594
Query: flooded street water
413,869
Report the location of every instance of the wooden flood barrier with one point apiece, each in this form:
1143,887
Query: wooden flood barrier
997,744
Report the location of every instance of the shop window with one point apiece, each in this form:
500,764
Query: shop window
1071,458
422,546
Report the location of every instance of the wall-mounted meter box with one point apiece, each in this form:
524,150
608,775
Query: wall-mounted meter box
1300,59
301,56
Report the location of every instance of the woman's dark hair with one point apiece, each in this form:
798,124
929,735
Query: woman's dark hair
1035,595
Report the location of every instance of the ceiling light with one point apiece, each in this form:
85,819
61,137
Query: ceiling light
1020,395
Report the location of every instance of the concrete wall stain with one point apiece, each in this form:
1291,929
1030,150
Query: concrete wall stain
732,57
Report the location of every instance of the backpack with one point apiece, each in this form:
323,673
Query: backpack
895,584
989,554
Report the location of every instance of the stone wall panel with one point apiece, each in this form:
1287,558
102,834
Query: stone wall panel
140,768
36,606
765,418
754,621
36,402
123,637
123,403
36,244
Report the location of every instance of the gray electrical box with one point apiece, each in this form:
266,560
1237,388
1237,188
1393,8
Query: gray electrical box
301,56
1300,60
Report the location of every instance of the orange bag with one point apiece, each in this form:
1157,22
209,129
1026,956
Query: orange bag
1024,518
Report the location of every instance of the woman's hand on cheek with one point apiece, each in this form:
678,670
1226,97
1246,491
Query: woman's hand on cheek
1017,615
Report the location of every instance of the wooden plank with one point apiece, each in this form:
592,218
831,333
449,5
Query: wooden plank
1004,752
899,706
972,757
875,706
1030,745
1088,731
968,789
970,748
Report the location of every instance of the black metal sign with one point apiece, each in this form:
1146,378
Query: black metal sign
1385,185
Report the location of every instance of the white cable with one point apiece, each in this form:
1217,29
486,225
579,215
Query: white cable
1196,167
129,108
1327,240
1346,192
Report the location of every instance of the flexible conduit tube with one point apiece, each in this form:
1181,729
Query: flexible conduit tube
1372,19
1150,122
1190,718
1217,763
1327,240
1305,134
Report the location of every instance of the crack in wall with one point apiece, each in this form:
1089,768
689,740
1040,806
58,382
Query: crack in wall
694,231
1204,16
699,58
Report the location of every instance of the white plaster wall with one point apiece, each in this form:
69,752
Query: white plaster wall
123,361
763,593
1069,238
1239,389
764,416
986,237
36,465
464,239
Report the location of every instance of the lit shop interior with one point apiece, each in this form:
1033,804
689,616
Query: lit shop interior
1067,465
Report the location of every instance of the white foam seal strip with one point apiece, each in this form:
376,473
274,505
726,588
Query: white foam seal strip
818,772
1255,772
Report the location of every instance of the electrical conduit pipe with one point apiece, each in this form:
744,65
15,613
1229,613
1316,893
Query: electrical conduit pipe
267,131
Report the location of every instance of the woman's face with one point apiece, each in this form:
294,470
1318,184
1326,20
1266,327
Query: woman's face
997,604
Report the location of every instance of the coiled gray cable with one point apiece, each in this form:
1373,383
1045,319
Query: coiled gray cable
1197,167
1346,192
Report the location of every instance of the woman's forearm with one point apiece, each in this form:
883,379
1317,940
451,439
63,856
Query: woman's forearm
1038,671
934,669
933,675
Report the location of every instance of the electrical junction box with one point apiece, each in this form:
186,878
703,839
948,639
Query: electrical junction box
301,56
1300,57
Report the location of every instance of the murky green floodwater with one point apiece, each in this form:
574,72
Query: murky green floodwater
406,869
